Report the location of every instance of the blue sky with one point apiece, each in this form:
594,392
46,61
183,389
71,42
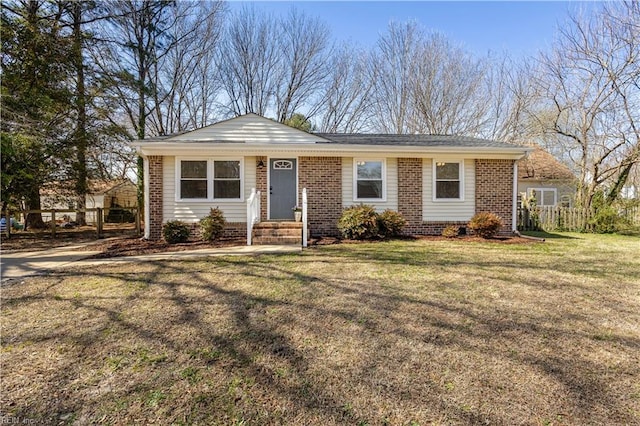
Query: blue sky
518,27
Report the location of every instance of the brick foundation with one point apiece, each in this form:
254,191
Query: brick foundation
494,190
322,176
155,197
231,230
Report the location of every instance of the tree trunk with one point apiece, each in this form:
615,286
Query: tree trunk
32,202
81,136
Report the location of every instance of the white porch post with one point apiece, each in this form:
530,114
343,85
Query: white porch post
514,213
147,220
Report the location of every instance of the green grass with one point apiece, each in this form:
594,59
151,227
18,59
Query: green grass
393,333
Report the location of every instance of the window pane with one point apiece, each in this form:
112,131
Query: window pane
193,169
549,198
448,171
193,189
369,189
448,189
226,189
369,170
226,169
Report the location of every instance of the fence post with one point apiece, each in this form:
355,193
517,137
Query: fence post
53,223
99,221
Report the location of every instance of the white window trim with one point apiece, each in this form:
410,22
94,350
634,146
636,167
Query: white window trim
384,181
434,181
209,198
540,190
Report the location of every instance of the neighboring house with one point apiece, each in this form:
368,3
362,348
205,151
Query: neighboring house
102,194
542,176
433,181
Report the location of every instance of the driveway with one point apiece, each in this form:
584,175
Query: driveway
25,264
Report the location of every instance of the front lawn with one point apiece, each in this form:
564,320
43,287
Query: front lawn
398,333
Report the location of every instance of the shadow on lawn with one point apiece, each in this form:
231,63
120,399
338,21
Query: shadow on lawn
264,332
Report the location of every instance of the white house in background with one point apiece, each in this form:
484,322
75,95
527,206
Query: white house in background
542,176
256,170
102,194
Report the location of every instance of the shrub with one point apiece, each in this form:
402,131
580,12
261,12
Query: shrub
391,223
359,222
607,221
450,231
211,226
175,231
485,224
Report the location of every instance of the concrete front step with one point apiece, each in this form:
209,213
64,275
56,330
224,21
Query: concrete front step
277,233
295,240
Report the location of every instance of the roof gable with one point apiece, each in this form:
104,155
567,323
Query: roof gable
249,128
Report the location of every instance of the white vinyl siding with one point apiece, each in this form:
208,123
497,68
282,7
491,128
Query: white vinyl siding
390,181
234,210
448,210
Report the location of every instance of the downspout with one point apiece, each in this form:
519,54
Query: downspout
147,224
514,212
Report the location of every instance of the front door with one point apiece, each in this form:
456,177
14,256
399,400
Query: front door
282,188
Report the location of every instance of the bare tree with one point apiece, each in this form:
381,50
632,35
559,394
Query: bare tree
392,68
184,79
247,60
448,89
303,54
509,96
346,93
589,83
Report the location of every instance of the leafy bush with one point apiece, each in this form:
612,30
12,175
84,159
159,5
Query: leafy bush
391,223
211,226
450,231
359,222
175,231
607,221
485,224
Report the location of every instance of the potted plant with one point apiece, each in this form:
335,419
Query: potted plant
297,213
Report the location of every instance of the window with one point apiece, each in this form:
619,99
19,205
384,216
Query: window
447,180
369,180
226,179
543,196
218,179
193,179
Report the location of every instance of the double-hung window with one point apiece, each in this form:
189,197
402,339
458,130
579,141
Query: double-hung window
369,182
448,180
193,179
226,179
544,196
210,179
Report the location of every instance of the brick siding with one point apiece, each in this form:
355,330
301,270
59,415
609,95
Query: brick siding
261,185
322,176
410,193
155,197
231,230
494,190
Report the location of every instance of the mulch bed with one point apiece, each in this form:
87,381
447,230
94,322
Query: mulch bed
134,246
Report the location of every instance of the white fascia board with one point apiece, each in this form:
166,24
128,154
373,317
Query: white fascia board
342,150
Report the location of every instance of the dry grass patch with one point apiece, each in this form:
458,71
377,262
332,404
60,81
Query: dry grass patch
398,333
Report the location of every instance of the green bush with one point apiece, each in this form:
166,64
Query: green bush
485,224
359,223
451,231
391,223
175,231
211,226
607,221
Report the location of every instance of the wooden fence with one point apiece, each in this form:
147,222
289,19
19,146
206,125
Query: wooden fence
59,220
547,218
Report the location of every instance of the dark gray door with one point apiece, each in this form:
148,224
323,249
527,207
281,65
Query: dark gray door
282,189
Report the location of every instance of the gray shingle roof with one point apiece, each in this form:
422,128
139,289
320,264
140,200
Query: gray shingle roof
411,140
